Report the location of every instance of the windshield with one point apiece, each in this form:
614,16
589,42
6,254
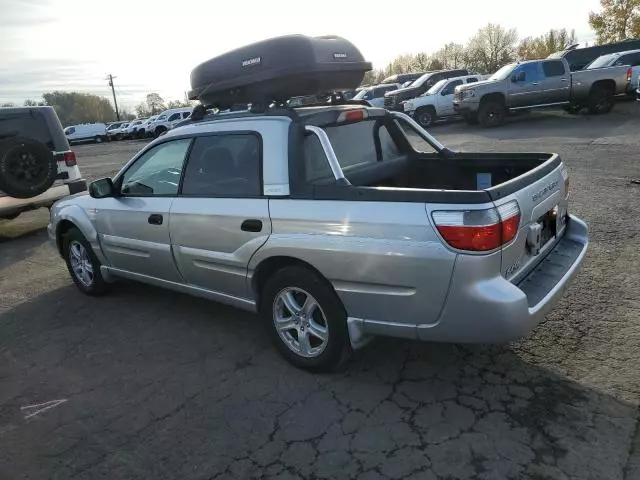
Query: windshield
602,61
162,117
437,87
422,80
360,95
114,126
504,72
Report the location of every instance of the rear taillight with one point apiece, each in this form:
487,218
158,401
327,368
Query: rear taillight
479,230
70,159
565,176
629,75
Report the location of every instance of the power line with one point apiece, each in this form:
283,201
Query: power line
113,90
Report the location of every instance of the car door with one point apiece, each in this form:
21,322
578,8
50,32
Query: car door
133,227
174,118
221,217
555,84
445,98
524,86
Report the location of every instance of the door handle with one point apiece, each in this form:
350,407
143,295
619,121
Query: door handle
563,80
534,83
155,219
251,225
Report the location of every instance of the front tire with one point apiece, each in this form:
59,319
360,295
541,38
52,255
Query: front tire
492,113
98,139
305,320
425,116
82,263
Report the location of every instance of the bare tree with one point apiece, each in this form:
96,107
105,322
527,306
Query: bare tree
155,103
544,45
618,20
491,48
451,55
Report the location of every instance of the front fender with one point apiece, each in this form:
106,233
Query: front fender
80,217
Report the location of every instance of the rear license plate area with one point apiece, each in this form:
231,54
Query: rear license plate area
549,225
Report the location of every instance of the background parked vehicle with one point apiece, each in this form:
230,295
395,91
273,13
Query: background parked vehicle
113,129
37,167
169,119
132,128
629,58
578,58
437,102
539,84
375,95
393,100
144,126
86,132
403,78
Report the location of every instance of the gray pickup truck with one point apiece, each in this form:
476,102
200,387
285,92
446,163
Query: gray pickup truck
539,84
335,223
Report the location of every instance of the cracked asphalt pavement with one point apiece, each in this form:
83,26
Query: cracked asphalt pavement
164,386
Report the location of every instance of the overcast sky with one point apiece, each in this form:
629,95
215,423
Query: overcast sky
50,45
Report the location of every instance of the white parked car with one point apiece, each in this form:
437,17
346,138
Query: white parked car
375,95
437,102
144,127
629,58
132,128
86,132
114,129
169,119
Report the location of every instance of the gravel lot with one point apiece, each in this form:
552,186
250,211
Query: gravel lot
158,385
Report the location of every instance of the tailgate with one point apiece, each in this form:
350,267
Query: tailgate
543,215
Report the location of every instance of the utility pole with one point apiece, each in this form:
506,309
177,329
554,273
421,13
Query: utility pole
110,78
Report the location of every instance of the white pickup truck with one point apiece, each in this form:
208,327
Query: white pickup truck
437,102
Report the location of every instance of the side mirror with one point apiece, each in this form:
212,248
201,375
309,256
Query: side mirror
102,188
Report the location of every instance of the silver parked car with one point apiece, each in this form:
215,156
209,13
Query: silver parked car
335,223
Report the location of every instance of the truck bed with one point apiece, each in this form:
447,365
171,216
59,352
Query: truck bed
499,174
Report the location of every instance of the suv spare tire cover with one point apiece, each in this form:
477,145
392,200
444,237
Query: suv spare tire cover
27,167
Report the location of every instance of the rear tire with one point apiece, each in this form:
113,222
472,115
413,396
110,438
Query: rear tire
425,116
98,139
159,131
492,113
572,109
82,263
305,320
600,100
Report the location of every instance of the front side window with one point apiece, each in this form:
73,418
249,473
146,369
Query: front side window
472,80
553,68
226,165
157,171
449,89
526,73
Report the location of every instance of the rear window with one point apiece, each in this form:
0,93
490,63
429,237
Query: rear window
30,124
354,144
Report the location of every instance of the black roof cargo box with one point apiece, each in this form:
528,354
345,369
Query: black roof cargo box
278,69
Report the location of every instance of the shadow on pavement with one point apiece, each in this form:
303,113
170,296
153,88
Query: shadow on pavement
161,385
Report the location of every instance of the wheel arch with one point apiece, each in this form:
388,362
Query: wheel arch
268,266
608,84
495,96
73,216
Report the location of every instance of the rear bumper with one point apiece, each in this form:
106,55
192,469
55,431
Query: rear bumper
11,205
497,311
492,310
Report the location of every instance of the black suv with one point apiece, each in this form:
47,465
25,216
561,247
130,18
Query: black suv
37,167
393,100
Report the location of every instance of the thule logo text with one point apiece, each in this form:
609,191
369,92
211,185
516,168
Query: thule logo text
339,55
252,61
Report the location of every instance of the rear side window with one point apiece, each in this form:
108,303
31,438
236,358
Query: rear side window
632,60
173,117
472,80
225,165
553,68
31,124
354,144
